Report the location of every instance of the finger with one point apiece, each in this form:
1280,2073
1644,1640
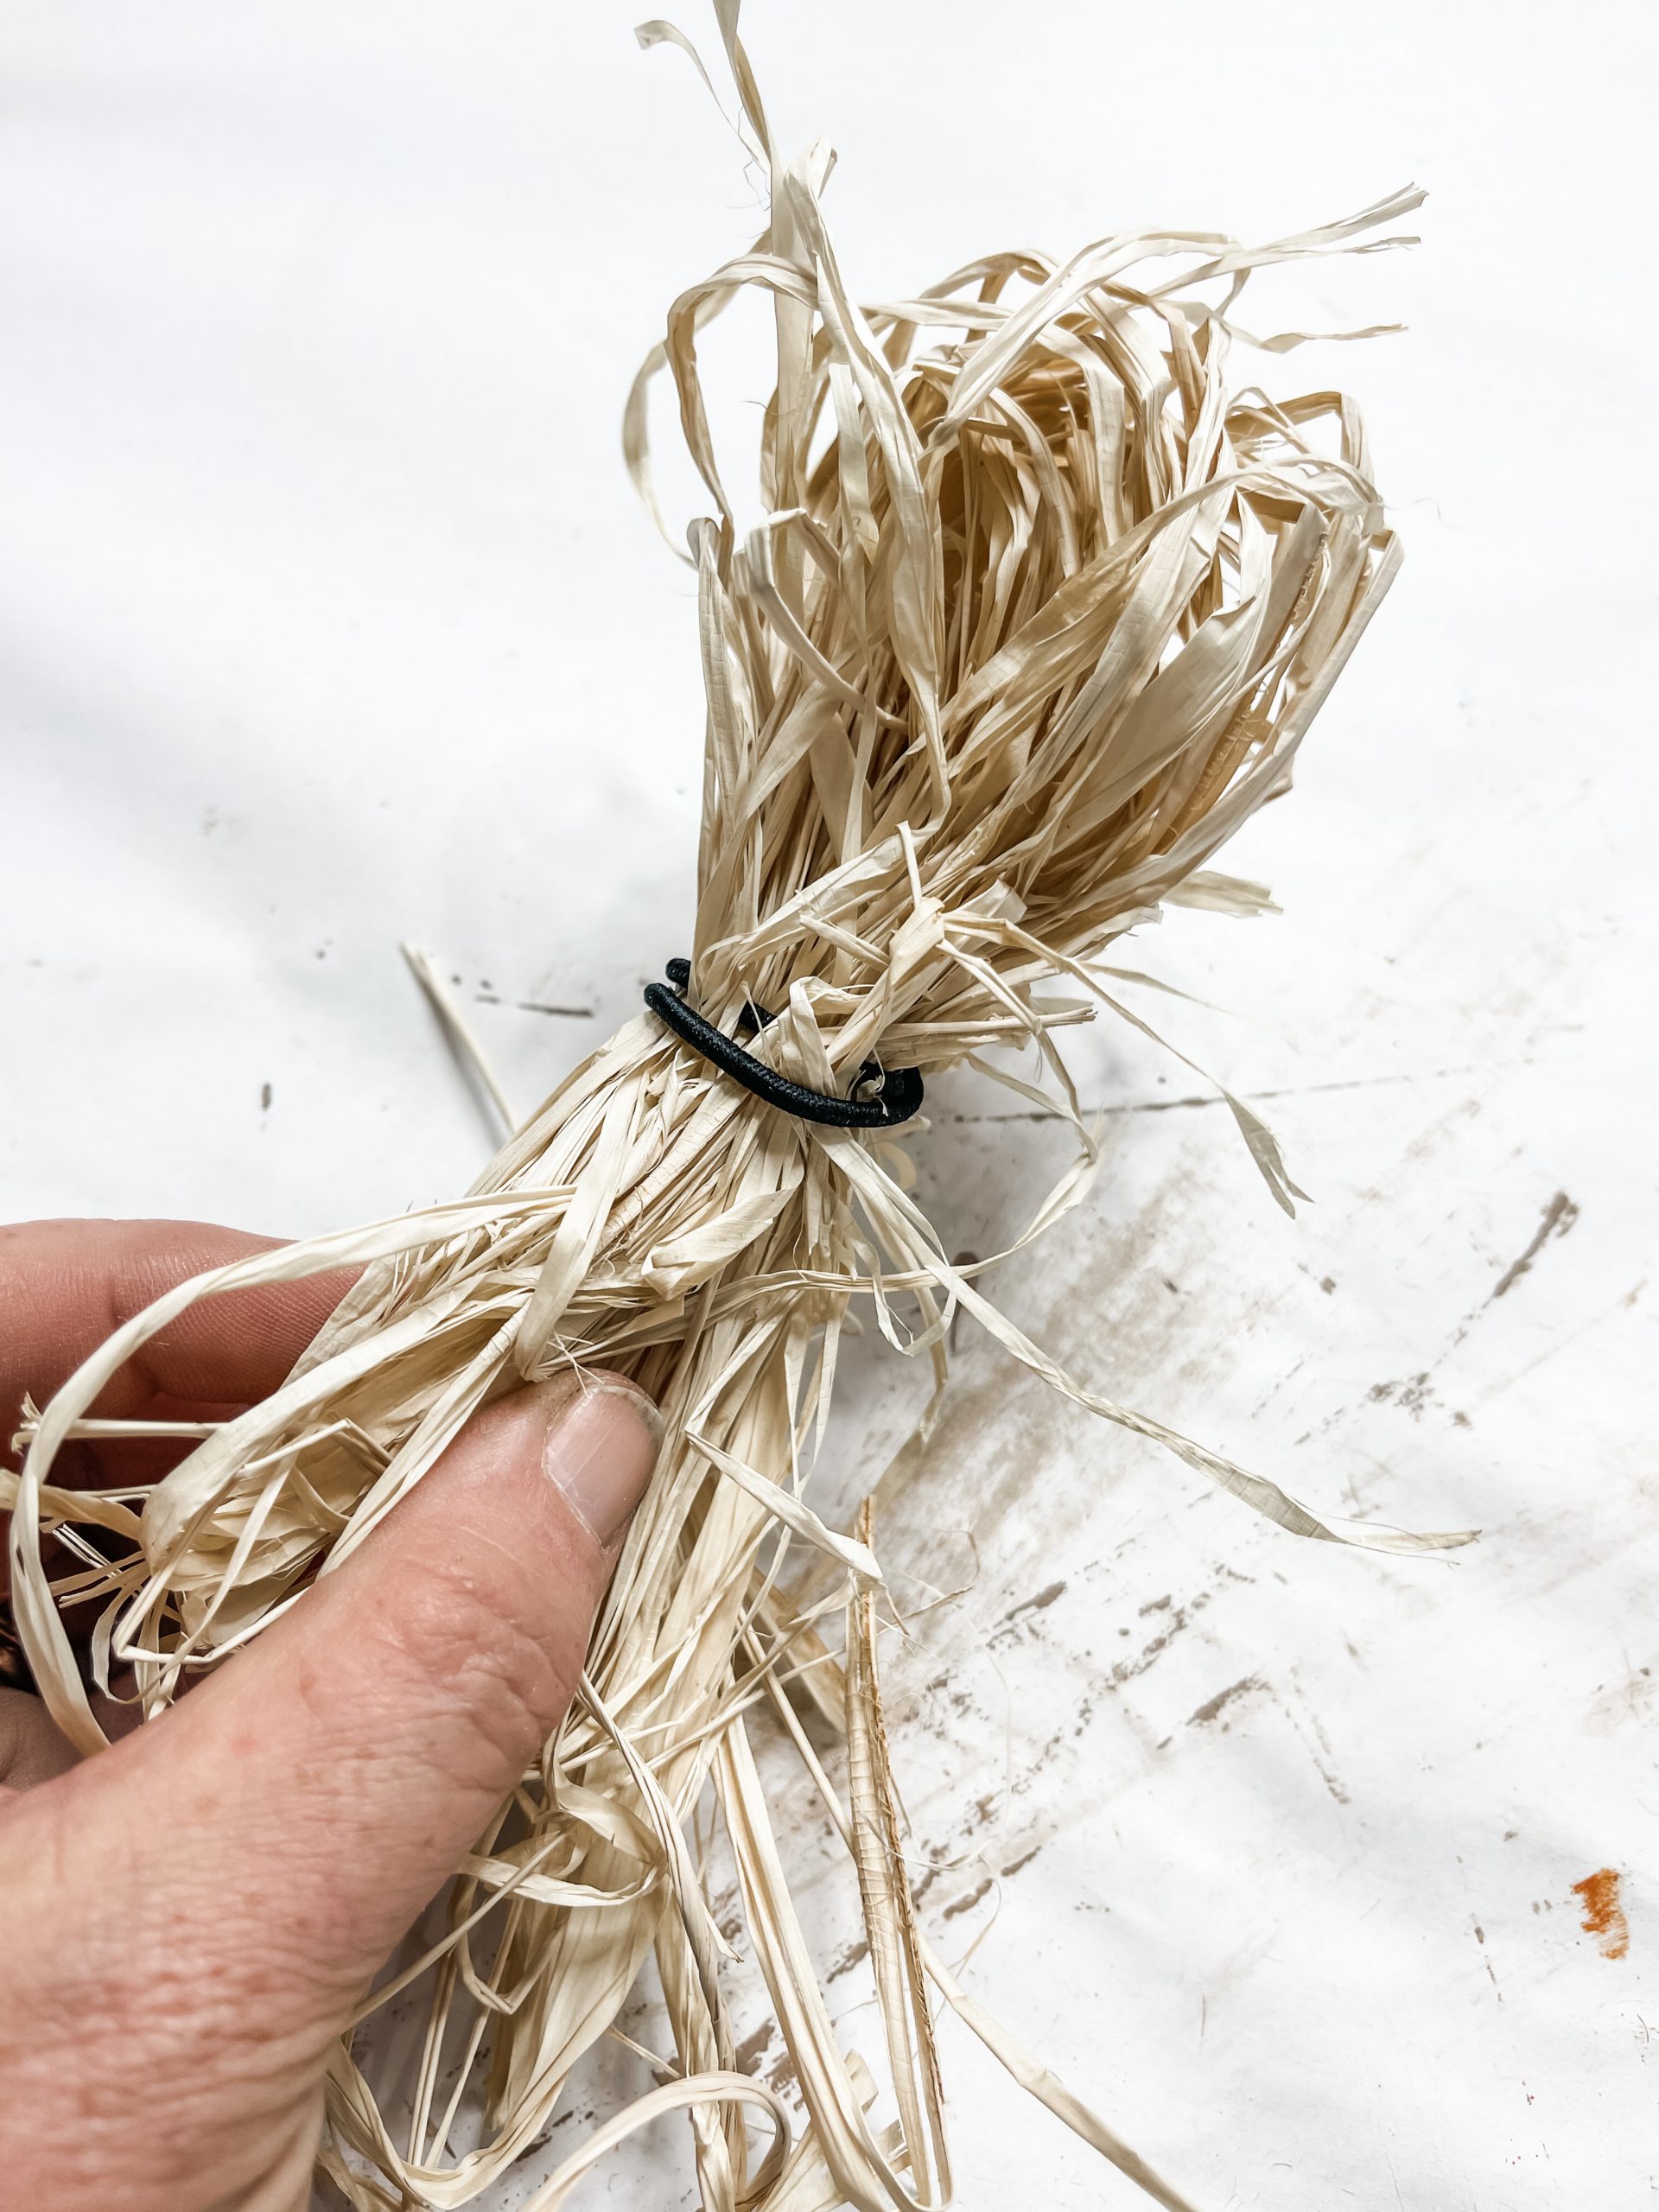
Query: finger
247,1862
65,1286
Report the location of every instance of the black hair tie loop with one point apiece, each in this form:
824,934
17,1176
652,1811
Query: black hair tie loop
898,1098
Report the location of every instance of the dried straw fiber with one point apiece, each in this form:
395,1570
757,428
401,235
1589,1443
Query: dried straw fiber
1038,615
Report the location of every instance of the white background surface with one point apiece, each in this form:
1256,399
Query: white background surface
327,619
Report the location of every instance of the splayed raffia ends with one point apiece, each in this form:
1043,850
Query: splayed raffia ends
1038,615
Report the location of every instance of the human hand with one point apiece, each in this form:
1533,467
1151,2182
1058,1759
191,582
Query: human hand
188,1920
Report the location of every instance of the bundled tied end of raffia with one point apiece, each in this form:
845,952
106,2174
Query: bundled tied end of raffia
1038,611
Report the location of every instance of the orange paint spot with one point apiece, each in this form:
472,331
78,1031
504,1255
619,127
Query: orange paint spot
1604,1916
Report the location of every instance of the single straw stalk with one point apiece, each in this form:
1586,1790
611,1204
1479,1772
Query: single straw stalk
1039,612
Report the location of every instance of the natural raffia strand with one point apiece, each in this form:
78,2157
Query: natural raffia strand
1038,615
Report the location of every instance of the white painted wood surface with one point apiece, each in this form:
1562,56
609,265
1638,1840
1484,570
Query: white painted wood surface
327,619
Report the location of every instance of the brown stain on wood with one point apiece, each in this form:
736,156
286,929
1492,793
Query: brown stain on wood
1603,1915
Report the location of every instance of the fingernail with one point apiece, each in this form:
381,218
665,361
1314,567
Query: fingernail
600,1447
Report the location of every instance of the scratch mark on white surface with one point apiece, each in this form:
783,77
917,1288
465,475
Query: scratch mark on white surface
857,1953
1632,1699
1211,1706
534,1005
1480,1938
967,1904
1619,1305
1327,1773
1207,1099
1039,1604
1560,1215
1415,1394
1178,1617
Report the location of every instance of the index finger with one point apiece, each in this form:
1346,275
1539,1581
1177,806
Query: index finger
65,1286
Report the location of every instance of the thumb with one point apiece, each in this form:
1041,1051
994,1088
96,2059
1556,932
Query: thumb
272,1837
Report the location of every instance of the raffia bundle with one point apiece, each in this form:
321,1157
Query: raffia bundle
1038,615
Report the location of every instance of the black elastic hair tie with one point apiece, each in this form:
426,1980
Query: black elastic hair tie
898,1098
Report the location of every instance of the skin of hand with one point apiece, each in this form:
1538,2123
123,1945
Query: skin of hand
188,1920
